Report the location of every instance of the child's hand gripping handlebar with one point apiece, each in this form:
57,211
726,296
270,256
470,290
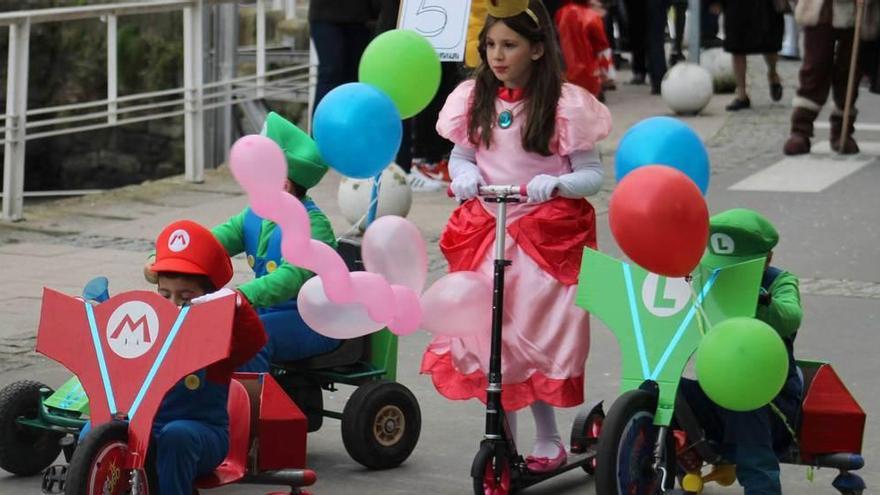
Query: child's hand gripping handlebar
497,191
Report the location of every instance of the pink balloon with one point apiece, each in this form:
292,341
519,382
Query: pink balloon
457,305
258,165
338,321
407,320
394,247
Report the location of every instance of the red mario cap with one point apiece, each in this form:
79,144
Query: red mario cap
186,247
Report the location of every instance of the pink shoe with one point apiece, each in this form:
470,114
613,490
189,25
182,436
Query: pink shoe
546,464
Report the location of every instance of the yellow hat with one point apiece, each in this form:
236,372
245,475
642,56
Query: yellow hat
501,9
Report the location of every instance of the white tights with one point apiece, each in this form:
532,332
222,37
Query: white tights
547,439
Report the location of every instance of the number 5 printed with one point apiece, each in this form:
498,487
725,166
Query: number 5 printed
443,22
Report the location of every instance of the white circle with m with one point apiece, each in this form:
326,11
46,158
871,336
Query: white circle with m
132,329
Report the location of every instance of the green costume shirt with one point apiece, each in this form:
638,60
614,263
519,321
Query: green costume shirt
784,312
283,283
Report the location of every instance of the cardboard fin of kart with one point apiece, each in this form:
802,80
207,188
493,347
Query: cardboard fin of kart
659,321
130,350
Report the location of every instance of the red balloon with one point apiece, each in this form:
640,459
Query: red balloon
660,220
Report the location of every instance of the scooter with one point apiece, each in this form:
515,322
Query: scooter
498,467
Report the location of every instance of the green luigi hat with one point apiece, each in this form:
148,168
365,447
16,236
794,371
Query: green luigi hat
304,163
738,235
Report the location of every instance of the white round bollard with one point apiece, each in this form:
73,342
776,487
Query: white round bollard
395,196
720,64
686,88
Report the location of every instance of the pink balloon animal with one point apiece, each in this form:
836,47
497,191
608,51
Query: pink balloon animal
259,166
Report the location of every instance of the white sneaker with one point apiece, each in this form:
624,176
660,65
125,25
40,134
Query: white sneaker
420,182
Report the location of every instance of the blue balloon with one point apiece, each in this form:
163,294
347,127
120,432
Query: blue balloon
663,141
358,130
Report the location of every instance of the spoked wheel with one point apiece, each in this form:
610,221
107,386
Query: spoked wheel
491,472
381,424
25,450
98,464
626,448
585,434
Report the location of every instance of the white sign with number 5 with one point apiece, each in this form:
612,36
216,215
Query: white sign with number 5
442,22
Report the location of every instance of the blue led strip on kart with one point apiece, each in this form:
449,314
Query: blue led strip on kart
102,364
679,333
637,324
158,362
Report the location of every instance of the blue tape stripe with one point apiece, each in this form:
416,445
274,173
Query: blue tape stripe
637,324
684,325
158,362
102,364
72,395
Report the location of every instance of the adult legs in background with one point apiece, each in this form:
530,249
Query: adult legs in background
773,76
638,29
339,48
656,42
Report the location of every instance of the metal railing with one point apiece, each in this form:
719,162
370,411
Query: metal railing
21,124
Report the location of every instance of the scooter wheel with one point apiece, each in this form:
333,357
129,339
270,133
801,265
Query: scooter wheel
585,435
98,464
381,424
625,454
491,472
25,450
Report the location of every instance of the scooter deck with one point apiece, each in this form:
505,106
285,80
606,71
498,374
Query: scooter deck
523,478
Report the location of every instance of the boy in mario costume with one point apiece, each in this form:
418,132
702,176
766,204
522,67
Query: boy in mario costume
277,283
274,290
191,427
751,439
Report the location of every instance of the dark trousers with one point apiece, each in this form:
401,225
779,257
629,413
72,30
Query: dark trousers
420,138
747,438
647,33
339,48
827,53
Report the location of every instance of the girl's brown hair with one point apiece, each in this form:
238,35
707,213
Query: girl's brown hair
542,91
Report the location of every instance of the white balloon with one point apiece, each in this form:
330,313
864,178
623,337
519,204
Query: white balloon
395,195
687,88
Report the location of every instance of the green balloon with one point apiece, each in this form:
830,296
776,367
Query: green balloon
742,364
405,66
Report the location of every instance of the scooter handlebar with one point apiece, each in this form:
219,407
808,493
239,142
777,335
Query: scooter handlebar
498,190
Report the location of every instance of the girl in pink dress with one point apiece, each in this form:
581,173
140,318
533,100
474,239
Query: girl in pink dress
516,122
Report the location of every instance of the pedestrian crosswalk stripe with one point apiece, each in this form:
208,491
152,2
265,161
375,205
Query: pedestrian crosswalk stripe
864,127
806,173
867,149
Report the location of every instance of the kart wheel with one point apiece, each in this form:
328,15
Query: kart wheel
381,423
626,448
25,450
97,466
585,434
490,472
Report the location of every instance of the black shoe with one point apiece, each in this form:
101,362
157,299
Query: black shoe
738,104
637,79
676,58
655,90
775,91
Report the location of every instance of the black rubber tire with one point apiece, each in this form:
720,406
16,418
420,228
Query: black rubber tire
481,462
583,436
25,450
634,404
81,464
390,406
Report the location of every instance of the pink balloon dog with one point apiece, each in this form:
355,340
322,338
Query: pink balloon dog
259,166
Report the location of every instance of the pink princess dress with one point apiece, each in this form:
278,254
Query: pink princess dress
546,338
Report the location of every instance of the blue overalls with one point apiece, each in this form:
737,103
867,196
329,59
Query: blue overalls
290,338
752,439
190,433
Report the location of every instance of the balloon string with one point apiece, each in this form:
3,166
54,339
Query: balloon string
703,319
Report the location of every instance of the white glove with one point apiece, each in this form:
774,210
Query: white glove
541,188
217,295
466,185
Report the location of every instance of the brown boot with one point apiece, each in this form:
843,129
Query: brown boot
801,131
850,147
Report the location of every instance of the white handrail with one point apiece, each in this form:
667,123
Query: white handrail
18,125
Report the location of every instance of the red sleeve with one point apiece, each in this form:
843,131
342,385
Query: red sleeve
248,335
